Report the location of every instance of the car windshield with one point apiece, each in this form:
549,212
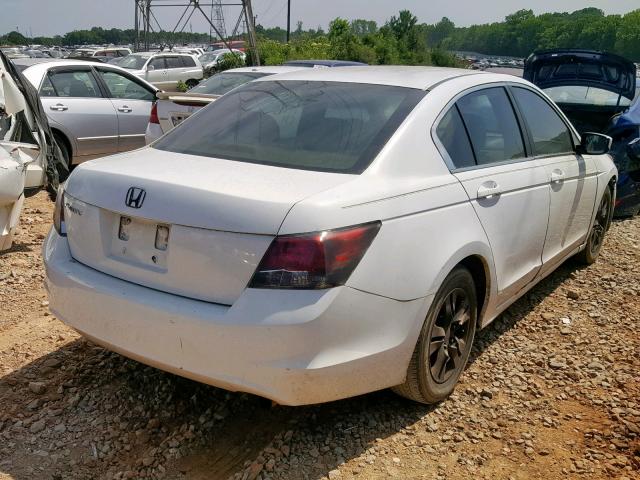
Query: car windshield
323,126
133,62
586,96
225,82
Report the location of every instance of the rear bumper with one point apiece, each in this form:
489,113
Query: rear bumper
294,347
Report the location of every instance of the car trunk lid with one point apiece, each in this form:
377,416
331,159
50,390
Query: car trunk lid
557,68
183,224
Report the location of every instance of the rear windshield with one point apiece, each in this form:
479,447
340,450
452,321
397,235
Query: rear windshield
323,126
587,96
225,82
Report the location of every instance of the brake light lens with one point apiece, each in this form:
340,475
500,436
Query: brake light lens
153,117
58,213
315,260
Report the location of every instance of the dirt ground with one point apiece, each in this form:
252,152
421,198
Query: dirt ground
552,392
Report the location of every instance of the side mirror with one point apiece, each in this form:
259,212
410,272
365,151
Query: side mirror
150,68
633,149
594,144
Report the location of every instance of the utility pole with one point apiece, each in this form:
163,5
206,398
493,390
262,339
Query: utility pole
288,20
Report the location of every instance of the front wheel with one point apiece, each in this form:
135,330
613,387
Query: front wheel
445,341
191,83
598,230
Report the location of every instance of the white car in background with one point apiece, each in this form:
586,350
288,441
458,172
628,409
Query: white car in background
164,69
171,109
329,232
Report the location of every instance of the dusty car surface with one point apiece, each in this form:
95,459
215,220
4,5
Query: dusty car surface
329,232
171,108
598,92
93,109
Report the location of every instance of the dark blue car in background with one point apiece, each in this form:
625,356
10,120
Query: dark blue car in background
598,92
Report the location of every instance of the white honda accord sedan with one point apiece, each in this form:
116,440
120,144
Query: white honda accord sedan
325,233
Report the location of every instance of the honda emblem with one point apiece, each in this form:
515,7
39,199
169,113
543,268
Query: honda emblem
135,197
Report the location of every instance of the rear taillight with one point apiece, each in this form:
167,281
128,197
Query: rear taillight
153,118
58,213
315,260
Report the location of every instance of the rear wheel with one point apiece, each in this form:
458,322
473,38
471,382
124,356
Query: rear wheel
445,341
598,230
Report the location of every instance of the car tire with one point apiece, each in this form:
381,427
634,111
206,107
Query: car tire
598,230
445,341
191,83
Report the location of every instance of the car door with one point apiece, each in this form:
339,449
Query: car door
132,101
572,178
72,98
507,188
157,72
175,70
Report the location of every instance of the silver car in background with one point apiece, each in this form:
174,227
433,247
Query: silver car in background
164,70
94,109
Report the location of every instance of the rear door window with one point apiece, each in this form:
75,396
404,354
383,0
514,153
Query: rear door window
551,136
188,61
492,126
173,62
122,87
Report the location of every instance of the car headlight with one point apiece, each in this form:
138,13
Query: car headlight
58,213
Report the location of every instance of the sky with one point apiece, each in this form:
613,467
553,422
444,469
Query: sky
50,17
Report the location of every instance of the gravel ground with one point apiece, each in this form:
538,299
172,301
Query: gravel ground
552,391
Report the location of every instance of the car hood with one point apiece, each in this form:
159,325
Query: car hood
196,191
556,68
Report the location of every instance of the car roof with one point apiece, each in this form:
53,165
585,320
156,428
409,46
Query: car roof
155,54
325,63
265,69
36,70
422,78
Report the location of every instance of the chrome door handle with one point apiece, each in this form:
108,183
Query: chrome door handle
557,176
489,189
59,107
124,108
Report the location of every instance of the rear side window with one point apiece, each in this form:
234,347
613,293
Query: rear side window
173,62
452,135
492,126
550,134
188,61
323,126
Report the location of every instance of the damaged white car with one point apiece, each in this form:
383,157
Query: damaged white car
28,156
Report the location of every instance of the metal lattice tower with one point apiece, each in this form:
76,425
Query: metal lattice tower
217,18
146,21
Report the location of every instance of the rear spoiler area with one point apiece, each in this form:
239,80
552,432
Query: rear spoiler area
188,99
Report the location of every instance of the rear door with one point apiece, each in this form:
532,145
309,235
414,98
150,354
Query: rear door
132,101
572,178
175,71
507,188
71,96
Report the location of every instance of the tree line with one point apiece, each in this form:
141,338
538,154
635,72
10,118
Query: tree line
403,40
